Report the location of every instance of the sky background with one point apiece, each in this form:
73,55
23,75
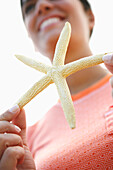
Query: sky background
16,78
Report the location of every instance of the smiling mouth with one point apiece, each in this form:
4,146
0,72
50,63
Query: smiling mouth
49,22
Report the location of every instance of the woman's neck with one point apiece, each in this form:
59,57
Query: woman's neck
84,78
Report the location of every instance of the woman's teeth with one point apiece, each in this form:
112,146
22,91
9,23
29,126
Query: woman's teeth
49,21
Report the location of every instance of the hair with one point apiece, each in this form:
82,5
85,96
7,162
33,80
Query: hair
86,4
87,7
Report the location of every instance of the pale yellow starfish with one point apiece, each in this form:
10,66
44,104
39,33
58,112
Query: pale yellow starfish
57,74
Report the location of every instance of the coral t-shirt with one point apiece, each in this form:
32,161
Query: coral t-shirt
89,146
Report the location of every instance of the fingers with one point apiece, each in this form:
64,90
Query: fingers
20,121
11,142
111,83
10,114
11,157
6,127
8,140
18,125
108,61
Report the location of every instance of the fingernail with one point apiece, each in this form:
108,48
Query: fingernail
108,58
17,129
14,109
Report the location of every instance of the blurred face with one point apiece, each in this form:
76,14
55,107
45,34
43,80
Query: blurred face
44,20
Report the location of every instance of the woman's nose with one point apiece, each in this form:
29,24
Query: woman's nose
43,6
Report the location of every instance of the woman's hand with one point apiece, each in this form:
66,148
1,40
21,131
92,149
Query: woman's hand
14,152
108,61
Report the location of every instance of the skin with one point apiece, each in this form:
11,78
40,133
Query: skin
14,149
14,146
82,22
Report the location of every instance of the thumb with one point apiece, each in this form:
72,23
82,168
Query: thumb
20,121
108,61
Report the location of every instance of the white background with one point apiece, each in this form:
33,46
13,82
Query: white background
16,78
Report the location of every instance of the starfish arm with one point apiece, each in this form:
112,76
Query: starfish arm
34,90
62,44
81,64
34,64
66,100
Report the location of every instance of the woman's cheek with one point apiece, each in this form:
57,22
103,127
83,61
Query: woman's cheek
30,24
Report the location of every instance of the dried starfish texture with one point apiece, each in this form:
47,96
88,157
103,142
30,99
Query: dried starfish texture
57,74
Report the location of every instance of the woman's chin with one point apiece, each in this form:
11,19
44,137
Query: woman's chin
48,43
48,39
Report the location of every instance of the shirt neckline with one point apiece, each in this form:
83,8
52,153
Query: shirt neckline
91,88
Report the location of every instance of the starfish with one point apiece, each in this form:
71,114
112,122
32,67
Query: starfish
57,74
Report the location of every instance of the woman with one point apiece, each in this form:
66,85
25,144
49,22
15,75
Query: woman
50,142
